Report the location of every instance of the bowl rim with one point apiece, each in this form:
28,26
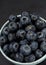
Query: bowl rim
15,62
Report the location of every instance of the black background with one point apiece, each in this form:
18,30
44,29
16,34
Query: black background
8,7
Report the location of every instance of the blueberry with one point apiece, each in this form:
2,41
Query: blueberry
20,34
11,37
25,20
40,24
25,49
23,42
12,26
3,40
34,45
5,31
19,57
12,56
44,31
6,49
30,58
40,36
31,35
43,46
30,28
34,17
12,18
19,25
25,13
13,47
38,53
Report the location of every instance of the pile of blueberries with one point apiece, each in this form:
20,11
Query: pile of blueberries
23,39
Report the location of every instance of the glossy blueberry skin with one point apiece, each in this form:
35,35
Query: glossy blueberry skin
12,26
3,39
6,49
43,46
12,18
23,42
30,58
31,36
11,37
40,24
5,31
34,45
21,34
25,49
34,18
44,31
38,53
25,20
19,25
13,47
25,13
30,28
19,57
40,36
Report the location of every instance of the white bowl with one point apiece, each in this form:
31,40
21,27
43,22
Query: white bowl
19,63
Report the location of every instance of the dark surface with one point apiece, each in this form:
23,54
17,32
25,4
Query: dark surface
8,7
